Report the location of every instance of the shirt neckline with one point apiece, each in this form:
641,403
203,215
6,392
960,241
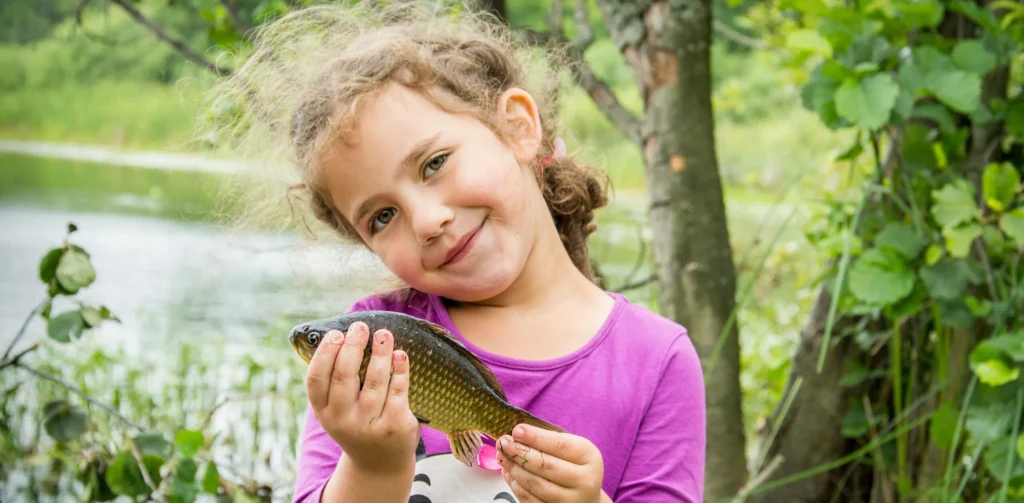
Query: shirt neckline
517,363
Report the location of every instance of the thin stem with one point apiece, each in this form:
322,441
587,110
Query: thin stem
956,435
14,359
74,389
1011,453
895,363
24,326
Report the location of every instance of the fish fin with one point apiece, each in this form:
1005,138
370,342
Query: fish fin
421,418
530,419
480,366
465,446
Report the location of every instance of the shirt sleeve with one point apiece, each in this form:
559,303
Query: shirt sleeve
667,459
318,452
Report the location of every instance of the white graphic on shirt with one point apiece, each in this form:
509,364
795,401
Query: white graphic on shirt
442,478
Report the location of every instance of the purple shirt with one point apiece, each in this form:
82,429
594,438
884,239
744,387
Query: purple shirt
635,390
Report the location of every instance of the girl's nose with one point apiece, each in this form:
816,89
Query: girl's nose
429,220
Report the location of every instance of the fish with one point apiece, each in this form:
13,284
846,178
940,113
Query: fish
450,389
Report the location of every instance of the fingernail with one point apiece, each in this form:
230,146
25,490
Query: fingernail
380,337
356,327
336,337
504,443
398,356
518,432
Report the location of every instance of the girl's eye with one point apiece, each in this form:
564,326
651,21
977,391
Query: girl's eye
433,165
381,219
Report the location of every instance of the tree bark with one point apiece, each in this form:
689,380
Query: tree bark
667,43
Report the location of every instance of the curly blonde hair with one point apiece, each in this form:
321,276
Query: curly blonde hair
301,86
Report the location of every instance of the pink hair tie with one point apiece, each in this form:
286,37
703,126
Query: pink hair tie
487,458
559,152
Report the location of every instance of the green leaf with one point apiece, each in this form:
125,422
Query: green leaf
954,204
947,280
1020,446
999,184
880,279
153,443
1001,455
1012,224
63,421
211,479
994,240
958,89
919,13
867,103
972,56
942,426
809,41
91,316
857,373
48,265
934,253
1009,344
979,307
959,239
995,372
902,239
66,327
74,271
125,478
938,113
1015,117
187,442
184,488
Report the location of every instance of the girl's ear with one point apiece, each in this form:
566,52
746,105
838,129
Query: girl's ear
519,115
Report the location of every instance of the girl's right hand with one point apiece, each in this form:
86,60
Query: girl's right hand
374,427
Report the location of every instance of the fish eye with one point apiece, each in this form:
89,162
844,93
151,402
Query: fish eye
313,338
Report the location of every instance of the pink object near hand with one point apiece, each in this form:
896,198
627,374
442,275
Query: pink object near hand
487,459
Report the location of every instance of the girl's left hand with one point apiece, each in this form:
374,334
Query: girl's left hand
545,466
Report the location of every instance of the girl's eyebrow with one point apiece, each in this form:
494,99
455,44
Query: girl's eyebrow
418,150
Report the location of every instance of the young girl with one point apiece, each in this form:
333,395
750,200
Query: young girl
429,137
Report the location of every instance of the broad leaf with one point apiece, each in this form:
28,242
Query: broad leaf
867,103
879,278
938,113
153,443
184,487
1015,117
999,184
1010,344
933,255
948,279
64,421
920,13
66,327
211,479
989,421
74,271
1012,224
902,239
810,41
91,316
958,89
125,478
48,265
972,56
187,442
942,426
995,372
959,239
1001,456
954,204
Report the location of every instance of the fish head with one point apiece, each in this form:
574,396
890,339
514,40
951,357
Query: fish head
306,337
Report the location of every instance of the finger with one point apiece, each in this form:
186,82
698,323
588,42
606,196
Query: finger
398,390
345,378
318,375
521,492
572,448
378,375
537,462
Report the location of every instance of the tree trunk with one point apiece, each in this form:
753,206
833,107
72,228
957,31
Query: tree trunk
668,46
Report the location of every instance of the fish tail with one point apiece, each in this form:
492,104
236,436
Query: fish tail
530,419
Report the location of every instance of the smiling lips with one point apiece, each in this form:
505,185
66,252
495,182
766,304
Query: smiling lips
462,248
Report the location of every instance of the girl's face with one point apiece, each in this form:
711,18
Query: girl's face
438,197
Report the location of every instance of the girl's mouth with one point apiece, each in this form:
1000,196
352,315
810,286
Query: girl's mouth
462,247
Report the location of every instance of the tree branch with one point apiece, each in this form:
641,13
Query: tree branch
24,326
74,389
14,359
740,38
241,25
178,45
599,91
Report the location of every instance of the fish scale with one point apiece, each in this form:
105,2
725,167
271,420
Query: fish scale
450,389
